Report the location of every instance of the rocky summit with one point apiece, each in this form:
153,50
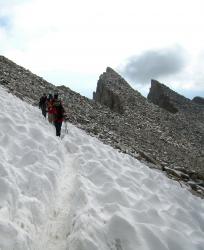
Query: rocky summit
199,100
164,130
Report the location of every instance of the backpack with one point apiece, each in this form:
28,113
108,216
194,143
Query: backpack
50,105
59,110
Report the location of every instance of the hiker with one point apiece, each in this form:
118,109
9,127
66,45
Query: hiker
58,114
50,101
43,104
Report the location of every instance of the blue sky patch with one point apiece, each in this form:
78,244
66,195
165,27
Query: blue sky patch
4,22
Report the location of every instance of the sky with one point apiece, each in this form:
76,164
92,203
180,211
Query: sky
72,42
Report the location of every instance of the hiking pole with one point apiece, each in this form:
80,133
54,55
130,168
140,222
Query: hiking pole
66,127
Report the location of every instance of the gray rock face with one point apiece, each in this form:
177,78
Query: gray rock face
159,95
108,90
189,111
168,99
123,118
198,100
114,92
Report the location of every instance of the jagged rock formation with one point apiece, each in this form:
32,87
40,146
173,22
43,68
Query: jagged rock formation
123,118
159,95
189,111
168,99
108,90
198,99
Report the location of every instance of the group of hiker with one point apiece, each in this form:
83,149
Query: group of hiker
53,106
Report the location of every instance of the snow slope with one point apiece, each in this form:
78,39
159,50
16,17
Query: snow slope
80,194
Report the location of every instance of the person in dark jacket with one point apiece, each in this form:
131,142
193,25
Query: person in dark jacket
50,101
43,104
58,114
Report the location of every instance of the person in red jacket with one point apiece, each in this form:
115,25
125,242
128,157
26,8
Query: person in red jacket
58,114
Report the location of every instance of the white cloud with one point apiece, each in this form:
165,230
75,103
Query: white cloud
86,36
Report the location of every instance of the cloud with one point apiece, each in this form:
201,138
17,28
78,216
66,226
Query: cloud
84,37
198,73
154,64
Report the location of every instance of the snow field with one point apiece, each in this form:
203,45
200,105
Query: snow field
120,204
53,234
79,194
31,160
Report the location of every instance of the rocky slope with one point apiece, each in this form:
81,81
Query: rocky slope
123,118
150,125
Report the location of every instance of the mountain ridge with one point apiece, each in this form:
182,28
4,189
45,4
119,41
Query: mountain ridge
121,117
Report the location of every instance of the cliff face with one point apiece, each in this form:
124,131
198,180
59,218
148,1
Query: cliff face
106,95
168,99
114,92
159,95
122,117
190,111
110,90
198,100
